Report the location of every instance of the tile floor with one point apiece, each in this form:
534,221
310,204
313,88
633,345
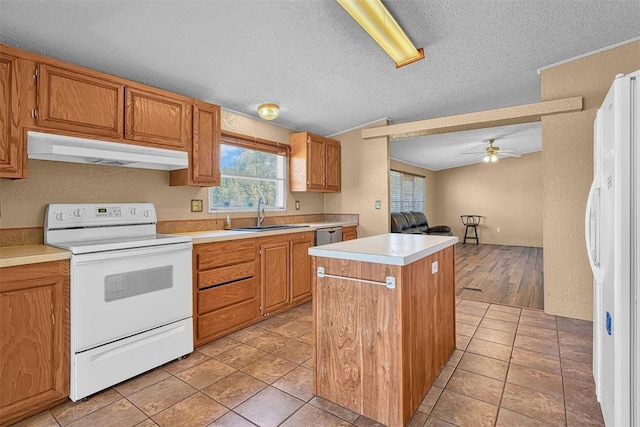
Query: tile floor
513,367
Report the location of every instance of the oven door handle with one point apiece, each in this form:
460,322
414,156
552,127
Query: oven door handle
128,253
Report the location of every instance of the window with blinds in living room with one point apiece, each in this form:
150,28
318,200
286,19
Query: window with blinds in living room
407,192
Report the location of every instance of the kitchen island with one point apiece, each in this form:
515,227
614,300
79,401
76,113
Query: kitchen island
384,321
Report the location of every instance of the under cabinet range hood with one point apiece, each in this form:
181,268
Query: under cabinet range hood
62,148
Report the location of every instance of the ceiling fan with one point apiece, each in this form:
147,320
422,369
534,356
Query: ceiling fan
491,153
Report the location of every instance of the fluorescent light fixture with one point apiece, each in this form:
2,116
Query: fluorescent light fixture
269,111
378,22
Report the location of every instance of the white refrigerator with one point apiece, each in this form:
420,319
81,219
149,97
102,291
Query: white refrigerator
612,229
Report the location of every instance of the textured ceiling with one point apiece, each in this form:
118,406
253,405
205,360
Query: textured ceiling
310,57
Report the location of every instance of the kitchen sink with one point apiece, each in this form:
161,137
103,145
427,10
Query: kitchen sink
268,227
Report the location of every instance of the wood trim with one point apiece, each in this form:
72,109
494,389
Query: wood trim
254,143
526,113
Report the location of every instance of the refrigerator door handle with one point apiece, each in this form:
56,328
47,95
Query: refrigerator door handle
592,227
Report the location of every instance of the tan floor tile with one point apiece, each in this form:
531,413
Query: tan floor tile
310,415
443,377
334,409
487,366
464,329
472,303
462,342
583,415
71,411
531,359
306,338
539,322
185,363
205,374
507,418
240,356
577,353
292,329
231,419
505,308
575,326
234,389
295,351
269,368
538,345
533,331
160,396
298,383
269,407
530,312
435,422
218,346
578,370
582,392
418,419
534,379
534,404
502,315
575,340
147,423
141,381
489,349
268,342
290,315
430,399
477,386
363,421
469,319
197,410
118,414
247,334
308,364
492,335
476,311
499,325
43,419
273,322
454,359
464,411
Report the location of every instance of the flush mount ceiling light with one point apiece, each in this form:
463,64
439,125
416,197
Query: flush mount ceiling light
269,111
378,22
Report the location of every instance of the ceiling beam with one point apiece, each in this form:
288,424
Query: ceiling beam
518,114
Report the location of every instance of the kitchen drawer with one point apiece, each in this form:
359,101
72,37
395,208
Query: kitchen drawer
221,275
226,253
212,324
226,295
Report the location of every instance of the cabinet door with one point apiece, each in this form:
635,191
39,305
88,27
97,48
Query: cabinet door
205,153
158,119
349,233
274,269
316,163
333,166
300,269
10,149
34,338
79,102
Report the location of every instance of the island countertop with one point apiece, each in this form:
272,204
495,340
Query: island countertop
391,248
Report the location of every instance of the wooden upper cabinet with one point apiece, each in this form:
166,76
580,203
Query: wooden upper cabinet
34,338
157,118
314,163
10,147
79,101
204,149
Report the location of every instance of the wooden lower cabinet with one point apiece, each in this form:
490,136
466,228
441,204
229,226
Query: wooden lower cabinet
300,267
349,233
34,338
274,277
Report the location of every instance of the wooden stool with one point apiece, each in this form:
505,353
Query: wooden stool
470,222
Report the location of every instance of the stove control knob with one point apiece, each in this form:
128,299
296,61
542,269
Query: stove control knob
61,216
146,213
78,212
133,211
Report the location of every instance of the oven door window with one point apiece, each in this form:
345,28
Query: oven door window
117,294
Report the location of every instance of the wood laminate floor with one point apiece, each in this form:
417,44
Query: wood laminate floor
507,275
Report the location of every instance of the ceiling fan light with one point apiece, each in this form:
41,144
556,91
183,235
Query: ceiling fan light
269,111
486,158
494,158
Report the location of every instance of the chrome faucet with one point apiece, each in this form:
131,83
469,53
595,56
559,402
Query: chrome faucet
261,202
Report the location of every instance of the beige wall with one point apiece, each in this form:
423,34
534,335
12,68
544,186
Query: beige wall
365,179
507,194
568,171
429,186
23,202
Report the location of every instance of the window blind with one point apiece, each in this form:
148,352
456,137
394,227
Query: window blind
406,192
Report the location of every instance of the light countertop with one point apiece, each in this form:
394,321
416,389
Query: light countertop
224,235
21,255
390,248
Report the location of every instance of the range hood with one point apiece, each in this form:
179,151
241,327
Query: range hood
61,148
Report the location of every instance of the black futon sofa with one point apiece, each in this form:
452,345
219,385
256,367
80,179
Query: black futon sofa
416,223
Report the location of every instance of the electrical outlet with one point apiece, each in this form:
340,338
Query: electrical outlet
196,205
378,204
297,205
434,267
498,230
